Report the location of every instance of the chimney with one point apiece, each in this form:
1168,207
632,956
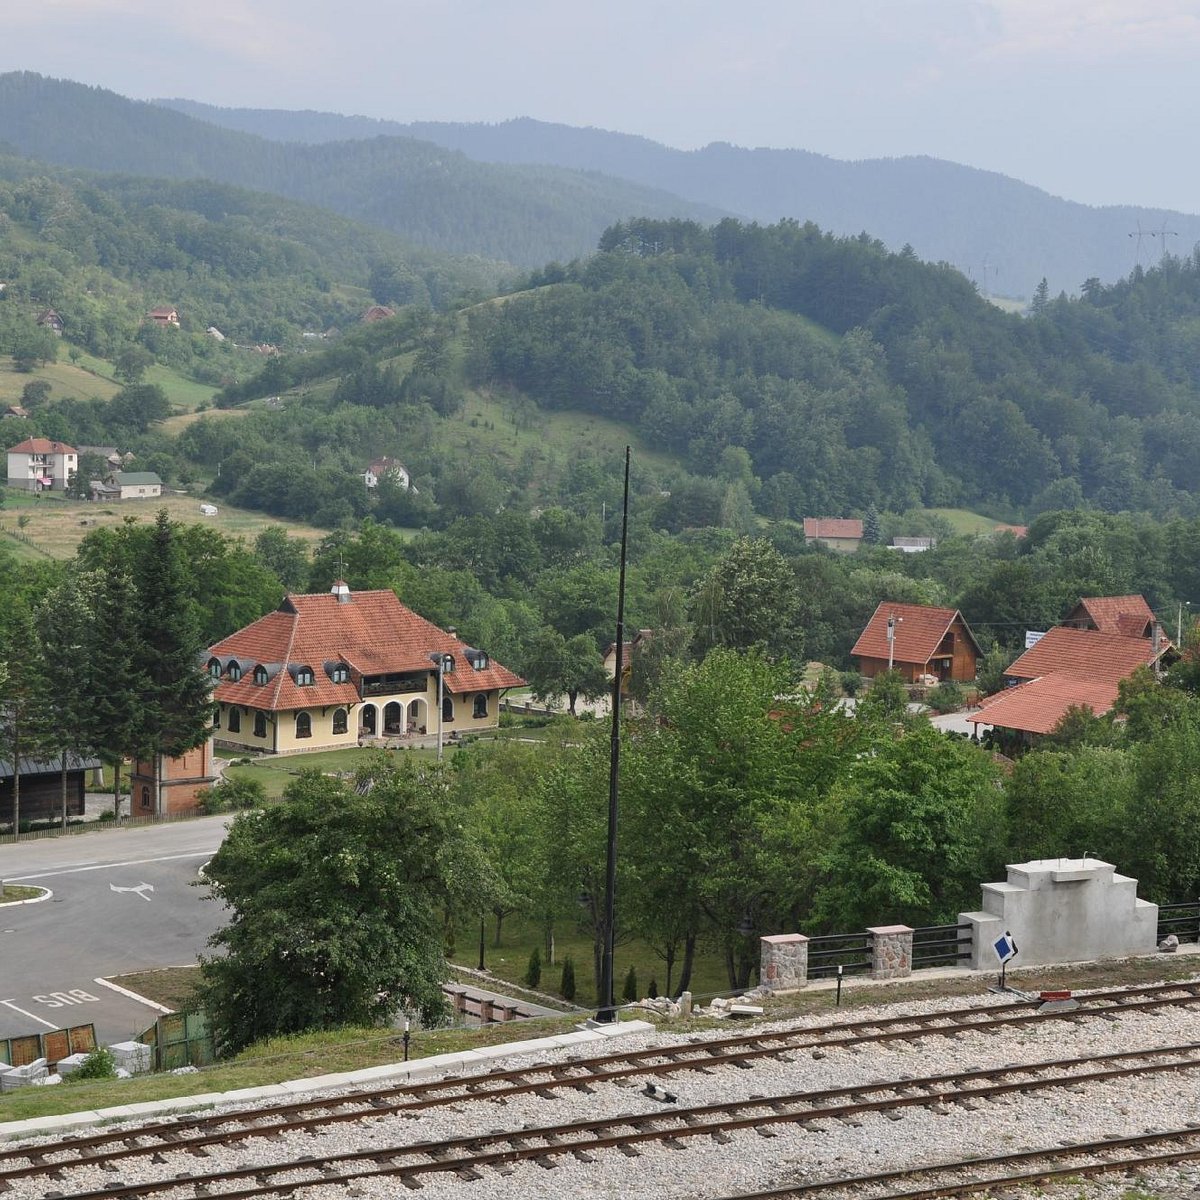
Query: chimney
452,631
341,590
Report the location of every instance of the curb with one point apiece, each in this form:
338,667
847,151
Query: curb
46,894
416,1069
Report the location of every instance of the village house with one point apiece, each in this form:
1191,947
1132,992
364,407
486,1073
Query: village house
630,648
386,468
917,640
16,410
52,321
1078,664
126,485
377,312
327,670
913,545
163,317
41,465
837,533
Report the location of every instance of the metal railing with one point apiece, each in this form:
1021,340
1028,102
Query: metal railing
1183,920
850,951
940,945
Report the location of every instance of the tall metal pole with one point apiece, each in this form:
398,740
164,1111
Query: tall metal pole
608,1008
441,676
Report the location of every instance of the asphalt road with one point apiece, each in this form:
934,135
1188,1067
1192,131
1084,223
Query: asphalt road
122,902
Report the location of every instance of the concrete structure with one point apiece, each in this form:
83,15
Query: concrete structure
1062,910
387,468
783,963
40,465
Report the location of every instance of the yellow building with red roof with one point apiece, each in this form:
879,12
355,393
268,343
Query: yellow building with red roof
327,670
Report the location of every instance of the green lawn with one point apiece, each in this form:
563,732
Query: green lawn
275,772
64,378
963,521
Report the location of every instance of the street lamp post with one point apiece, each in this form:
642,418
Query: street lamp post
1179,623
445,666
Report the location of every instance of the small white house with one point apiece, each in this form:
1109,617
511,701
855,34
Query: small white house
385,468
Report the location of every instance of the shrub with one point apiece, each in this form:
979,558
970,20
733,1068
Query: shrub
533,972
630,991
851,682
232,793
946,697
98,1065
566,989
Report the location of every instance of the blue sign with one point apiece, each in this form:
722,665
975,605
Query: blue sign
1005,947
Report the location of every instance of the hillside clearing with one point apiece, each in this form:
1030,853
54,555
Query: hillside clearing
65,379
56,527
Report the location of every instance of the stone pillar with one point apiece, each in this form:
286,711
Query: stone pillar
891,951
783,965
486,1016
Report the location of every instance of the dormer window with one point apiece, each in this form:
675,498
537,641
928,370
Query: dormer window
260,674
214,667
304,677
235,671
338,672
477,658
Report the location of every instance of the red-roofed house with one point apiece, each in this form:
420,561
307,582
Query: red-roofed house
927,641
325,669
1034,708
1127,615
1076,665
1086,654
838,533
39,465
164,317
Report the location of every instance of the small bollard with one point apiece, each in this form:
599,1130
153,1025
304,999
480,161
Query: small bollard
839,986
405,1039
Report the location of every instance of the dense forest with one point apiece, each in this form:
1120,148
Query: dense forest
1003,233
434,197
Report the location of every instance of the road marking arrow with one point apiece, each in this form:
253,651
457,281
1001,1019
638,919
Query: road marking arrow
141,889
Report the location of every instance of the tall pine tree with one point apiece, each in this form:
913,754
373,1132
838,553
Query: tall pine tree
22,706
176,712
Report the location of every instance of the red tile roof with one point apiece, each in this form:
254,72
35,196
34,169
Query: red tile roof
1086,654
1018,531
832,527
372,633
919,631
41,445
1039,705
1127,615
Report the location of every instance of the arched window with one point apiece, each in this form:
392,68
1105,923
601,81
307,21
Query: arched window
145,797
303,725
214,667
235,671
235,719
260,725
340,723
447,708
480,709
339,673
260,674
304,677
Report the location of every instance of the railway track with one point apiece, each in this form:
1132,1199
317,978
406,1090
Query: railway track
476,1156
997,1173
705,1055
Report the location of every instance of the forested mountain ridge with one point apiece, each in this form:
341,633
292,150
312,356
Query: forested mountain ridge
438,198
1005,234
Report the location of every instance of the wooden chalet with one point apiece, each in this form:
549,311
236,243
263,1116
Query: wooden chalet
927,641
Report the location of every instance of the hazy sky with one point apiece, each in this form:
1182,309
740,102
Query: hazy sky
1085,98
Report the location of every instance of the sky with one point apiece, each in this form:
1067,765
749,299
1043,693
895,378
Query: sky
1087,99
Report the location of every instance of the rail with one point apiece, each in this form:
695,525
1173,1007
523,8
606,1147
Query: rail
1183,920
941,945
827,952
